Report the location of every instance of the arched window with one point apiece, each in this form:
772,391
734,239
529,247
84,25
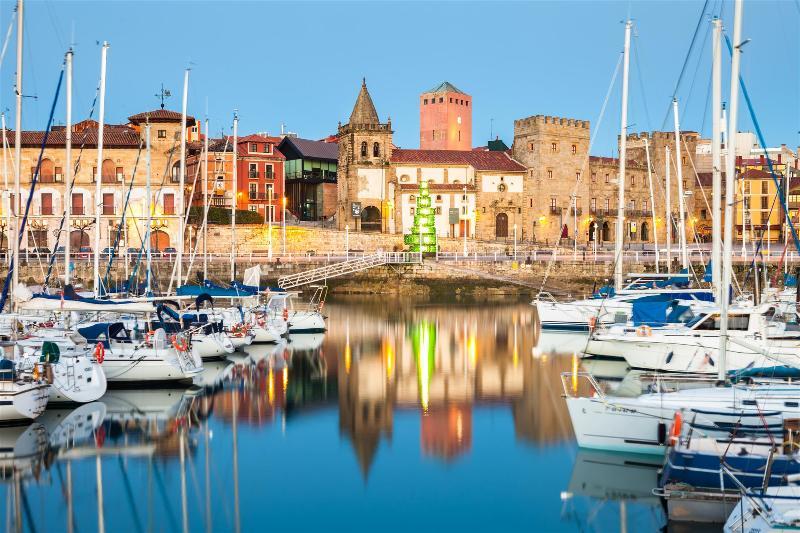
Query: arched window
108,172
376,150
364,149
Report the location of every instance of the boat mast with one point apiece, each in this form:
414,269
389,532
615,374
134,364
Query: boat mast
68,169
716,160
98,193
623,148
668,206
6,191
149,207
235,193
652,198
205,206
730,196
681,199
181,204
17,155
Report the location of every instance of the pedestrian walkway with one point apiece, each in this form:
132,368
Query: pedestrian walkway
349,266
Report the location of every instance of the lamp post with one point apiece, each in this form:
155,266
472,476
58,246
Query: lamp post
283,223
466,219
515,242
347,240
270,209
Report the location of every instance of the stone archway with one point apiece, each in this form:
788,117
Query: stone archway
592,230
77,239
159,240
606,232
501,226
644,232
371,219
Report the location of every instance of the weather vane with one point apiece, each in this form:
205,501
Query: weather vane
163,95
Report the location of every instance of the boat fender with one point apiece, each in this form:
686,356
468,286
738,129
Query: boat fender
675,431
285,314
592,323
99,352
662,433
644,331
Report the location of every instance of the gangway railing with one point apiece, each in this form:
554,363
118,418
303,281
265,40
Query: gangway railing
349,266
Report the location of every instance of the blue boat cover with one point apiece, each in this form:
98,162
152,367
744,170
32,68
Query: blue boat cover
606,291
677,281
651,310
778,371
789,280
708,275
212,290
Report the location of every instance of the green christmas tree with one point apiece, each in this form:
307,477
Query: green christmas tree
423,232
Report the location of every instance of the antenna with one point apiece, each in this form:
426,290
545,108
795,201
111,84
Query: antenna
163,95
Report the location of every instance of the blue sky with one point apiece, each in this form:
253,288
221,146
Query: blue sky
301,63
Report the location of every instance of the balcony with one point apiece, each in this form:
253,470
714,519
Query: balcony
219,201
253,174
260,196
555,210
575,212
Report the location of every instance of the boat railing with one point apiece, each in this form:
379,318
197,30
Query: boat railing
546,296
570,383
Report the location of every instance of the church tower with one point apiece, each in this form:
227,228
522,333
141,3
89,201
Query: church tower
365,202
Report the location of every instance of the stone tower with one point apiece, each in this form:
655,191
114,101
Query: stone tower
365,147
445,119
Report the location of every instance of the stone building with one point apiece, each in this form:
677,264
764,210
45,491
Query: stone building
365,146
123,145
479,193
574,195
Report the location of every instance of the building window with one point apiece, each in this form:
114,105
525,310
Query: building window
376,150
703,214
593,205
632,205
683,160
412,211
364,149
267,148
644,205
578,176
438,197
412,199
574,149
108,203
501,187
253,208
162,134
169,203
269,172
253,172
549,174
77,203
594,177
684,184
466,103
608,179
553,147
438,210
253,191
608,205
633,181
253,147
425,101
552,203
441,99
451,100
268,192
47,203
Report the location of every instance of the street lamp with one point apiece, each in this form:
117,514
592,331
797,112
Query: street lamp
466,219
515,242
283,221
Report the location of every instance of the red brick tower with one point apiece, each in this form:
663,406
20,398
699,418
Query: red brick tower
445,119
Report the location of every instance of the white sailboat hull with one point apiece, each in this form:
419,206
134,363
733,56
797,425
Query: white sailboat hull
306,322
21,401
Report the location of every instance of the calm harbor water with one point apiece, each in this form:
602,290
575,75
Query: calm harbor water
405,416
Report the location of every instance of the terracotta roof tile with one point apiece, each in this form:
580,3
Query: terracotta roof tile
160,115
476,159
113,137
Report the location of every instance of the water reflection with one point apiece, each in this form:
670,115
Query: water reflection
462,399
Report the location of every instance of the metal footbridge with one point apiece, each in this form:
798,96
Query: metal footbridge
349,266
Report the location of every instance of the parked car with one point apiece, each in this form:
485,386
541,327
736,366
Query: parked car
41,251
84,252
